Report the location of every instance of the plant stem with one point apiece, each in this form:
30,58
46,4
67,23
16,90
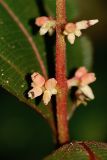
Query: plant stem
61,100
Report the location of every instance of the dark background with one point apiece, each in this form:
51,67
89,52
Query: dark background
25,135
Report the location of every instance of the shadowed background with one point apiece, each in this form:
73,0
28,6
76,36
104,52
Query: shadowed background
25,135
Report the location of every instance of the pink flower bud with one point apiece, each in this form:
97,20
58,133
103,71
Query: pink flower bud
70,27
41,20
38,79
40,86
88,78
80,72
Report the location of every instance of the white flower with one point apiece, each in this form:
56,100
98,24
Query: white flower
42,86
50,87
81,80
37,84
74,29
46,24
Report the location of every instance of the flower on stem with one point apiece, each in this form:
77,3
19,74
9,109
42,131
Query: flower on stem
50,89
37,84
41,86
81,80
46,24
74,29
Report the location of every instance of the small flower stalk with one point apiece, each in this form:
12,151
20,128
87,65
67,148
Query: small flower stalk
46,24
41,86
81,80
74,29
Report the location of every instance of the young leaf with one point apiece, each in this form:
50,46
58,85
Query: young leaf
80,151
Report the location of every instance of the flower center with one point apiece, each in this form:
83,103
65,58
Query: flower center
70,27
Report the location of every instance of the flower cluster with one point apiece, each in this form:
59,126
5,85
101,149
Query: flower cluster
71,30
81,80
74,29
46,24
41,86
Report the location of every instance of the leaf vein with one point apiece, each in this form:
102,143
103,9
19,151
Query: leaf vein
12,65
29,38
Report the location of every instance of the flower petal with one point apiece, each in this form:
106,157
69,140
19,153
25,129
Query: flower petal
80,72
65,32
86,23
87,78
87,91
50,84
35,92
82,25
78,33
38,79
46,97
72,82
54,91
51,31
93,22
71,38
49,26
43,30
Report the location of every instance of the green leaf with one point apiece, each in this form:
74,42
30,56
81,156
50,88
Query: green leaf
80,151
20,55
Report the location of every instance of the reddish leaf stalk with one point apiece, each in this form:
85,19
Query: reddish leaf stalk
61,100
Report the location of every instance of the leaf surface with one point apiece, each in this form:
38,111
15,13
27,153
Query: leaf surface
80,151
19,54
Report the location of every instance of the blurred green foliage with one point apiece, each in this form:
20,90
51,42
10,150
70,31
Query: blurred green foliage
25,135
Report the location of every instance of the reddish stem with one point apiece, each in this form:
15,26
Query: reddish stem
62,123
